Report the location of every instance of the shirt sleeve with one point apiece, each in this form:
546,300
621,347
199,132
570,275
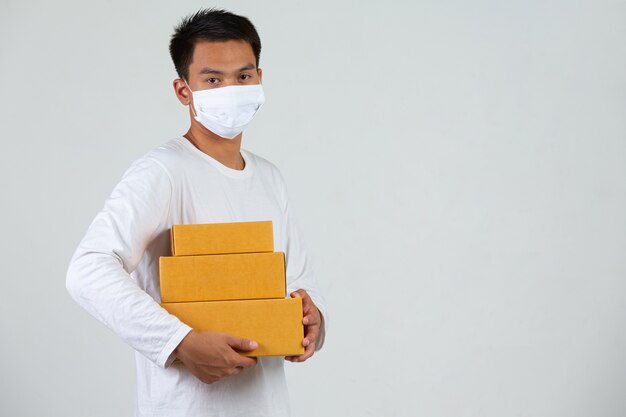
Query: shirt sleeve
98,277
300,274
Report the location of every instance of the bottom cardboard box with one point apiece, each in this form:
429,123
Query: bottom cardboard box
275,324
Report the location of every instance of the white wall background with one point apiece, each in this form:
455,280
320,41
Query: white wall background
458,169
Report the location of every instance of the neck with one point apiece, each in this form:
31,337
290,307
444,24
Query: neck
226,151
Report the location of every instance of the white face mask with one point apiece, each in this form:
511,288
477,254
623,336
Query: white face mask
226,111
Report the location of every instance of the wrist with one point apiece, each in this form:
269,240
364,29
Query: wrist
182,346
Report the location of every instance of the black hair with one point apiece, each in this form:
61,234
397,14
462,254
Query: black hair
210,25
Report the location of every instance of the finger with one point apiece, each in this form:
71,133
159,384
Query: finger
301,294
241,343
308,352
311,336
307,303
311,319
208,374
296,294
308,306
244,361
311,331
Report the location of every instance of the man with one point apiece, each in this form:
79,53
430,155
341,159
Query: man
203,176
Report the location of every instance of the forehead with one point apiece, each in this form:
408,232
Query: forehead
222,55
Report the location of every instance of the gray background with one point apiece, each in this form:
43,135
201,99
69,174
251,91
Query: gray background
458,169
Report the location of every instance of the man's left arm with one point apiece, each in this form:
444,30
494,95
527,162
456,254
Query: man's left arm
301,283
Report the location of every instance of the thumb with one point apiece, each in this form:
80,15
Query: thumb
242,344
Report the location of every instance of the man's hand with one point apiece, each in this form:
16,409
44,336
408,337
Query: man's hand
210,355
312,320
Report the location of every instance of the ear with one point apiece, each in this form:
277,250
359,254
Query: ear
260,72
182,92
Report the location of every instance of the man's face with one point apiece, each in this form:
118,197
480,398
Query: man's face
215,65
219,64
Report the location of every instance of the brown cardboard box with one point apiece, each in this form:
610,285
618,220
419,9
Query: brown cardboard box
222,277
276,324
222,238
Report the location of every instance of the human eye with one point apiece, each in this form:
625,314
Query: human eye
213,80
244,77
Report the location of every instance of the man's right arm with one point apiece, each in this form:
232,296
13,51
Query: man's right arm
98,279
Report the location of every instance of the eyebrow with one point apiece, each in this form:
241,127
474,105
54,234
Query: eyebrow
208,70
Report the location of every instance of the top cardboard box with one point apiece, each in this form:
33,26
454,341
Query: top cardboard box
222,238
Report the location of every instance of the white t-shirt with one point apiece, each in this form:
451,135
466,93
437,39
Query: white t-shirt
114,273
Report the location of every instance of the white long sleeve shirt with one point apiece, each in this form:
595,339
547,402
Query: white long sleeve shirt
114,273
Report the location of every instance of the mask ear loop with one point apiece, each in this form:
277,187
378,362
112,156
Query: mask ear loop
192,105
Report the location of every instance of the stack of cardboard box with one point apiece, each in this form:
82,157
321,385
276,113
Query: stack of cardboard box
226,277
